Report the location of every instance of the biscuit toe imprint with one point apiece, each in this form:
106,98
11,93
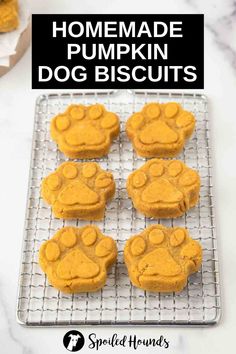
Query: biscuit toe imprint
89,236
62,122
188,178
156,236
95,111
158,132
161,191
109,121
159,262
137,121
85,135
104,247
89,170
103,180
156,169
153,110
139,179
175,168
191,250
68,238
78,192
53,181
70,171
171,110
77,112
177,238
184,120
52,251
138,246
76,264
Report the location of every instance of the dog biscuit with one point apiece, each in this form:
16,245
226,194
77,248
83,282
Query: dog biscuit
78,190
160,259
163,188
77,259
9,18
160,129
85,131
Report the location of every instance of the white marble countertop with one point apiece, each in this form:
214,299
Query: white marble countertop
16,121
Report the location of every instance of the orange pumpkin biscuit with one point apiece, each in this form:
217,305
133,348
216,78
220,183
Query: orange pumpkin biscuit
85,131
78,190
9,18
163,188
160,259
77,259
160,129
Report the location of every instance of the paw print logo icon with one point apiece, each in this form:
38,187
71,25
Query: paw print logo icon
73,341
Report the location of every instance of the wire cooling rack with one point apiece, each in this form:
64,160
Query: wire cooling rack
118,303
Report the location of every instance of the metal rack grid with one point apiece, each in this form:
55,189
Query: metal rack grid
118,303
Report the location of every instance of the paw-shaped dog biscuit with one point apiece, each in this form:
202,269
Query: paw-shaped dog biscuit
163,188
78,190
160,130
77,259
160,259
85,131
9,18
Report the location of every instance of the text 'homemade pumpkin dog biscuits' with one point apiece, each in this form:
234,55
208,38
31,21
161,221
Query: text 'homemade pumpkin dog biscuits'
77,259
85,131
160,130
163,188
9,18
160,259
78,190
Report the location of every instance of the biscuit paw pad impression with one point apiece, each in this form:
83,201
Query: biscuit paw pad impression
85,131
160,259
77,259
78,190
163,188
9,18
160,130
